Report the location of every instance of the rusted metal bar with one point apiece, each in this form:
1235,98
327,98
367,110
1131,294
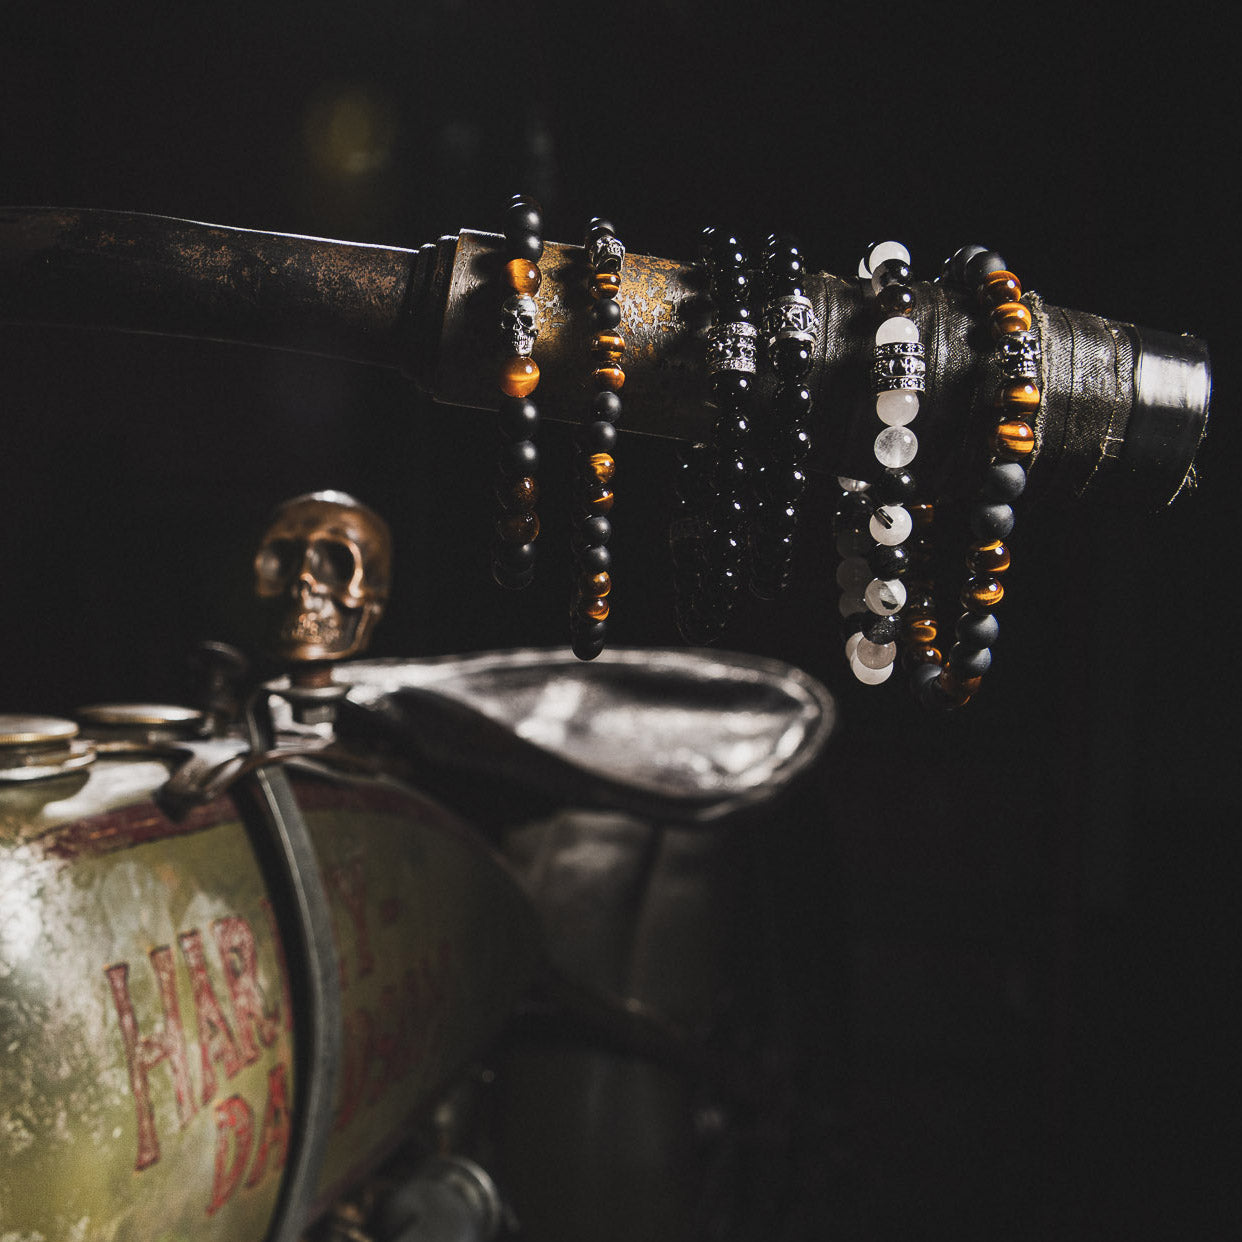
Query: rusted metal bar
1124,407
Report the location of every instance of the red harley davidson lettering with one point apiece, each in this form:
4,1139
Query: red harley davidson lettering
233,1022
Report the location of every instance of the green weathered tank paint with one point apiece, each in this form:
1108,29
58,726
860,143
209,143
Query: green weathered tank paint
146,1030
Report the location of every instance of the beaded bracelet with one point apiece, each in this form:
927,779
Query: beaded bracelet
875,560
790,327
517,527
710,570
594,463
1010,444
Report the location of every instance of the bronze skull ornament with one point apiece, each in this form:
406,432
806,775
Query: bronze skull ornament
324,567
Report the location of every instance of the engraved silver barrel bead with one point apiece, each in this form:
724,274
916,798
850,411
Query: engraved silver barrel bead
732,347
900,364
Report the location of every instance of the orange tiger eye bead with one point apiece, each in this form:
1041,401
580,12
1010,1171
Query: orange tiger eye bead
595,608
602,466
1021,398
598,584
606,284
520,495
921,515
1000,287
519,377
609,345
923,653
1010,317
1013,439
609,377
519,527
523,276
600,500
921,630
982,593
988,558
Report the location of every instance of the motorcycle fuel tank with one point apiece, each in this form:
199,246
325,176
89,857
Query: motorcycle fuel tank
148,1031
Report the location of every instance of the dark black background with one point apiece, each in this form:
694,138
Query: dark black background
1014,967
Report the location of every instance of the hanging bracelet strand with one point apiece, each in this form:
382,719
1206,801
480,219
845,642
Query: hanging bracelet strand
1010,443
517,526
594,463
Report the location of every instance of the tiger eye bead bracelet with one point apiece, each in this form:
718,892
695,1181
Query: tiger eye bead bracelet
594,464
517,526
1010,443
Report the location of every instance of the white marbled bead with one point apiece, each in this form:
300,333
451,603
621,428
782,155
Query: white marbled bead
869,676
882,253
884,596
896,446
874,655
896,329
897,406
890,525
851,645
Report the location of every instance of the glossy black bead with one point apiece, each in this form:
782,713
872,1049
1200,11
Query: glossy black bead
1004,481
969,661
591,532
780,519
792,358
730,390
726,250
978,629
515,557
955,268
890,272
606,406
605,314
888,561
786,482
523,216
794,402
991,521
895,485
518,458
597,437
518,418
980,266
526,246
733,430
881,630
593,559
587,644
895,300
600,227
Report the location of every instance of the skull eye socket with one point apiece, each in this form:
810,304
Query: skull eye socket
279,560
332,563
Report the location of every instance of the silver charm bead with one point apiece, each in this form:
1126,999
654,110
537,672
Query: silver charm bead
900,364
732,347
791,318
605,253
519,324
1019,355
